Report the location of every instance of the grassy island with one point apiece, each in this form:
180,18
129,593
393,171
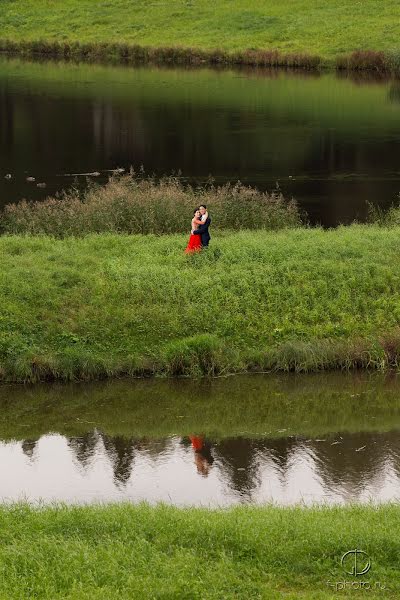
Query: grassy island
298,33
163,552
106,304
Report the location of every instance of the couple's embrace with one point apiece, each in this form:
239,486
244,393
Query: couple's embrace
199,237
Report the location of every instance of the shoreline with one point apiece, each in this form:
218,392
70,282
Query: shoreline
369,61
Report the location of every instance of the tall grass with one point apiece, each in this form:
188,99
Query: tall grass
359,60
382,217
104,305
393,59
176,55
129,552
369,60
132,204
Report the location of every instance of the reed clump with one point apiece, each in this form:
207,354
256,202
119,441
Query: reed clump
384,217
393,58
365,60
133,204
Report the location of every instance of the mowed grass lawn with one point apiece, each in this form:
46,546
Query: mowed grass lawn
107,304
311,26
139,552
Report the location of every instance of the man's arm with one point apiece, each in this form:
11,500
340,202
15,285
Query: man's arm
202,228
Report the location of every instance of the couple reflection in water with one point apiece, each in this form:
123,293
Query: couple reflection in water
203,457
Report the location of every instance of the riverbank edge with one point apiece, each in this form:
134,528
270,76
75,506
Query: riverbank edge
133,551
203,356
133,54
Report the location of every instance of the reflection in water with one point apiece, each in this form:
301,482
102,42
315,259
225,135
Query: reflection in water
203,457
244,439
394,92
28,447
199,471
331,142
121,453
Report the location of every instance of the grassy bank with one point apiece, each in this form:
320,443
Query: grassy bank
142,552
299,33
106,304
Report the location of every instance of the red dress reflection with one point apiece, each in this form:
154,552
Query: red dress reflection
202,454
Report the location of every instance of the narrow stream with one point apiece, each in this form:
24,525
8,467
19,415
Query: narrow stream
249,439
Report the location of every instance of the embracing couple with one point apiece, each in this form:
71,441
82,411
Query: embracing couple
199,237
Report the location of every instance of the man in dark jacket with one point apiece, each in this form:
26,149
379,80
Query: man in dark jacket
203,229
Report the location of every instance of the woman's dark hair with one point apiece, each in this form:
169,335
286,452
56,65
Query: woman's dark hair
195,210
203,205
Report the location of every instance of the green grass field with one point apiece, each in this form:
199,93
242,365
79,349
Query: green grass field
302,299
296,26
129,552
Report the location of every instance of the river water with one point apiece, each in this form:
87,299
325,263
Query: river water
248,439
332,143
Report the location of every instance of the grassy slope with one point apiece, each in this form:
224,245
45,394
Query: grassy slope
141,552
107,303
309,26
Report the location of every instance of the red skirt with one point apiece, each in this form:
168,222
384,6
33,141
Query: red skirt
194,244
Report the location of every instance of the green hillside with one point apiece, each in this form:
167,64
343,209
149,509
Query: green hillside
106,305
295,26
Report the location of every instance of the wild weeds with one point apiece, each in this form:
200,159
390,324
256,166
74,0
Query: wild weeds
364,60
393,58
359,60
133,204
136,54
384,217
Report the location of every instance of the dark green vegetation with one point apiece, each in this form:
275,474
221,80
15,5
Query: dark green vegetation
251,406
106,304
142,552
134,54
133,205
385,218
297,33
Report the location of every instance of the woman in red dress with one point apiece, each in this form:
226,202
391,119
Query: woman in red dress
194,244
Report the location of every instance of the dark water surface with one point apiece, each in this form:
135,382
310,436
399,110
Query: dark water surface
248,439
332,143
